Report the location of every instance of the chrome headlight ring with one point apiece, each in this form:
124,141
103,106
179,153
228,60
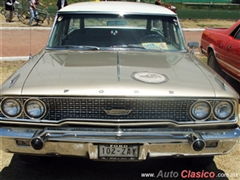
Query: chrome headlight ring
11,108
35,108
201,110
223,110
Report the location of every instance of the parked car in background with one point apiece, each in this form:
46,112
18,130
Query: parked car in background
116,82
222,47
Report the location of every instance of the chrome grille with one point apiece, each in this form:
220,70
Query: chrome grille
62,108
79,108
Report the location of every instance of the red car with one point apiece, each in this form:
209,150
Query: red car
222,47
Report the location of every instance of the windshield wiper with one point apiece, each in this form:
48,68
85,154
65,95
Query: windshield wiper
82,47
128,46
137,46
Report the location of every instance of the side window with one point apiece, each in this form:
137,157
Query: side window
175,34
74,23
60,31
238,34
170,33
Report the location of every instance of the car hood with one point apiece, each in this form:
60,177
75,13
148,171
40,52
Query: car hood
104,73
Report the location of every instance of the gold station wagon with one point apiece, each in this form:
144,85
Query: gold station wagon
116,82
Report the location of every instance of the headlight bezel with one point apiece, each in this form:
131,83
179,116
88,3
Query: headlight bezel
208,104
229,115
38,101
3,102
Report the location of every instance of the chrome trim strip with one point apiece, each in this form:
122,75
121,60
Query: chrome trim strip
232,76
227,64
118,68
205,51
223,62
123,124
120,97
14,80
222,84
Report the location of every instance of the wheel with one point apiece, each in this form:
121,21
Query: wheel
24,17
212,62
19,16
50,19
39,21
151,38
201,162
3,11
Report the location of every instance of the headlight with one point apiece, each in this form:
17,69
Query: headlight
34,108
11,107
223,110
200,110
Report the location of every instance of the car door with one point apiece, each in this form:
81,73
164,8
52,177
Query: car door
219,40
232,57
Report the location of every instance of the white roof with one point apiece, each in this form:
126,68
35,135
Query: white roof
117,6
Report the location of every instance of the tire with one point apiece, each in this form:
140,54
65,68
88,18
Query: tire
212,62
201,162
3,12
24,17
19,16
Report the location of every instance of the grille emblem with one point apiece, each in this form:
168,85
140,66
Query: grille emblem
118,111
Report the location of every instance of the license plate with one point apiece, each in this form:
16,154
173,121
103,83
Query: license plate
118,151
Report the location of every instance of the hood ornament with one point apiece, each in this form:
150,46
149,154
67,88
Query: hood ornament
150,77
118,112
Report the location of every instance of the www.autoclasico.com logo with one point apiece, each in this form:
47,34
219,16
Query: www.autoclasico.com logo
185,174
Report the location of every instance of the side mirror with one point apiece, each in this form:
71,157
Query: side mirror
193,45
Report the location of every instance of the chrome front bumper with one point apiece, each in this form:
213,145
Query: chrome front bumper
152,142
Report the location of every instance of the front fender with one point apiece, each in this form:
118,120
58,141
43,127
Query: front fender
210,48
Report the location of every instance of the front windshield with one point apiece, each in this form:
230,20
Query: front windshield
100,31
